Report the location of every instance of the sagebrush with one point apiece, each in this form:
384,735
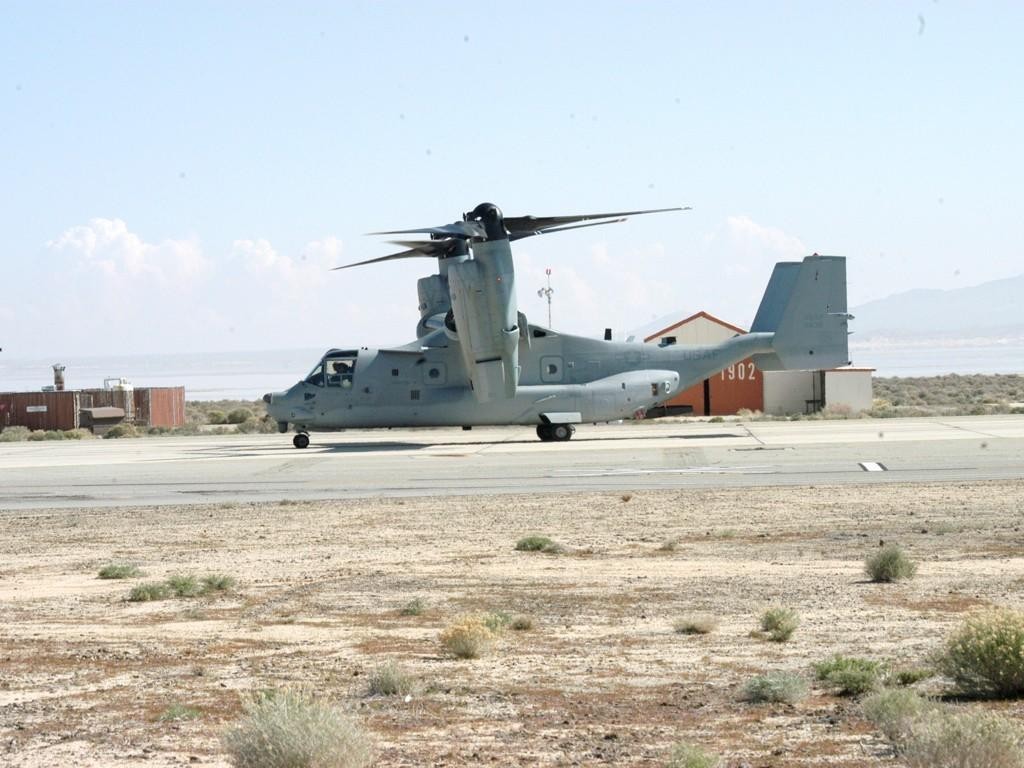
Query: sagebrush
779,624
944,739
985,655
293,729
893,711
851,675
538,544
690,756
784,687
890,563
389,679
119,571
469,638
695,624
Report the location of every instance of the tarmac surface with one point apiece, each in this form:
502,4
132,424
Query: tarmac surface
492,460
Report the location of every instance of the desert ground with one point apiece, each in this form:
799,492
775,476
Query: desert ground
88,678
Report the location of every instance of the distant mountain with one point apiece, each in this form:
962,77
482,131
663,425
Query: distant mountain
993,309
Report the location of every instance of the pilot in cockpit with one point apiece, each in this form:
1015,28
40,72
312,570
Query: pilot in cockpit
341,374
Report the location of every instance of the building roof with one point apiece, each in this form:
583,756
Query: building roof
690,319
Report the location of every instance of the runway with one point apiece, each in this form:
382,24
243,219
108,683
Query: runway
443,462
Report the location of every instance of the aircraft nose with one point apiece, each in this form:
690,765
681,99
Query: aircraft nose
268,398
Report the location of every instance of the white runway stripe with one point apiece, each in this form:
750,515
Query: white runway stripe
873,466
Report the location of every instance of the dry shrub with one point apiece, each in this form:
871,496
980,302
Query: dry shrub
893,711
496,621
119,571
782,687
689,756
468,639
911,675
538,544
144,593
184,585
779,624
15,434
292,729
414,607
941,739
121,430
851,675
890,563
522,623
985,655
695,624
389,679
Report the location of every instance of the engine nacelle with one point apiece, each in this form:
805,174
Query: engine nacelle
483,297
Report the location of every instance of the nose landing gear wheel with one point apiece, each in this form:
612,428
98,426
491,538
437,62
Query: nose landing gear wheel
544,432
301,440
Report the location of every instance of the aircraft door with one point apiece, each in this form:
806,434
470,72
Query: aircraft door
551,369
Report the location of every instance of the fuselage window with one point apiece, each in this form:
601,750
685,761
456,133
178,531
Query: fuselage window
340,371
433,373
552,369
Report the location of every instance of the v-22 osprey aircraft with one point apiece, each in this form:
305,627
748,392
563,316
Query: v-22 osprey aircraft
478,361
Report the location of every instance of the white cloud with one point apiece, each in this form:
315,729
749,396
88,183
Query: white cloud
108,247
113,289
300,272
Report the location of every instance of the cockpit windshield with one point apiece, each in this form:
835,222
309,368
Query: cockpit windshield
337,369
316,376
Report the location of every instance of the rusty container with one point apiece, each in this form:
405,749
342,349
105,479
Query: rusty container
160,406
40,410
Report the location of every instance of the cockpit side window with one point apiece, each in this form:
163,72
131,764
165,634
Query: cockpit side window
340,371
316,376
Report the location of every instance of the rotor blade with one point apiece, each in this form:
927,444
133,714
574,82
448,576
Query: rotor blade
535,223
513,236
410,254
438,248
457,228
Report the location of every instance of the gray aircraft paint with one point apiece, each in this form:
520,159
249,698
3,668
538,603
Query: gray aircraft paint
543,376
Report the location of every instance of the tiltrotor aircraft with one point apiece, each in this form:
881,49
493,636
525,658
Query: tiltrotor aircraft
477,361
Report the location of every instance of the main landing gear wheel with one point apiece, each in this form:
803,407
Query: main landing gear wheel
555,432
301,440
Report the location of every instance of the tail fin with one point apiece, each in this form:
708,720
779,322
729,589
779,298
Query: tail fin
804,305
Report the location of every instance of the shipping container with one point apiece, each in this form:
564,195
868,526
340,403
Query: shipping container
40,410
160,406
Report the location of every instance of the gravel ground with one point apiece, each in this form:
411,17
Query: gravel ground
86,677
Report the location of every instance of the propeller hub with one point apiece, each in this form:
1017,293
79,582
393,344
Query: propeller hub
490,216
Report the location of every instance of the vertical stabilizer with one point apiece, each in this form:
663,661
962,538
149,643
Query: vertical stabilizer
804,306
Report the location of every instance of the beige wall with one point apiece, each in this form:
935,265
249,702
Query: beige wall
849,387
786,392
698,331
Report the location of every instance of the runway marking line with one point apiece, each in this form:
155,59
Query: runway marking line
752,470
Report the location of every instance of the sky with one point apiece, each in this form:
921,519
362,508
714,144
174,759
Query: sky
181,176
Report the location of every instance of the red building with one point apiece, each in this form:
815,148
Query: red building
738,386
